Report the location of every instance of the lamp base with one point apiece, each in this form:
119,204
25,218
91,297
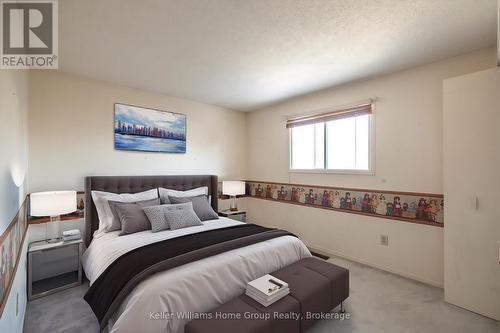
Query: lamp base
53,230
233,206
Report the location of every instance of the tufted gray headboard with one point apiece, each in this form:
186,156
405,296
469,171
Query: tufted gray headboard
134,184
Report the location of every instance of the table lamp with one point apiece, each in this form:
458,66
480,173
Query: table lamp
53,204
233,188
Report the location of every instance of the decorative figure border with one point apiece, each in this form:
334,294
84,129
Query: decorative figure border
423,208
11,248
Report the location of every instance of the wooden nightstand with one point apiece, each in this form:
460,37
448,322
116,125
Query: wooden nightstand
53,267
237,215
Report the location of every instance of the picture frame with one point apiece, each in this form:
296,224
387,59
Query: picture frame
149,130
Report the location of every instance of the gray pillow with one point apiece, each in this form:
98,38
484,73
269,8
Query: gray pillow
132,218
156,217
165,193
114,204
181,216
200,206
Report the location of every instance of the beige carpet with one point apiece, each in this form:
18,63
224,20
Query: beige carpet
387,303
378,302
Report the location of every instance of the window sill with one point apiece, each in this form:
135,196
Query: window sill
339,172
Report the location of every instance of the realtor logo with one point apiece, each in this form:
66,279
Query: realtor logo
29,34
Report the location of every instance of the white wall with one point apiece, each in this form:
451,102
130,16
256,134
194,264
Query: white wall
71,134
471,164
408,157
13,142
13,169
414,251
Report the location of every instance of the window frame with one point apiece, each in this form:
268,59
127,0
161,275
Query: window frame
325,170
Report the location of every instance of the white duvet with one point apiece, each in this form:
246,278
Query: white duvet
165,301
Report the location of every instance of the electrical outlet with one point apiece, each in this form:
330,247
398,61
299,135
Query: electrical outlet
384,240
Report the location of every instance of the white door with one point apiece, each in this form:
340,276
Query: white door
471,105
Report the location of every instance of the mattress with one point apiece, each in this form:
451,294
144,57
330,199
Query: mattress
166,301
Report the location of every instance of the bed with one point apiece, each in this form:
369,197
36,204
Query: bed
167,299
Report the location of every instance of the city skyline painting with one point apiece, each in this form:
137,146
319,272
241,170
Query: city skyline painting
144,129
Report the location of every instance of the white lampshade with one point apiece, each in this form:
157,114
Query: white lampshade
233,187
52,203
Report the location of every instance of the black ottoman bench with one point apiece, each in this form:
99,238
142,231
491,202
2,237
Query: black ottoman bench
316,287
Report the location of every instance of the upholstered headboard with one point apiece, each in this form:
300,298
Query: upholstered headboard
134,184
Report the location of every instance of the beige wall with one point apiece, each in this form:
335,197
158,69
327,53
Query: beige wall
13,170
408,157
13,141
471,164
71,134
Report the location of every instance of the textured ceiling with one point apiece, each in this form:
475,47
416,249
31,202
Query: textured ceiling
246,54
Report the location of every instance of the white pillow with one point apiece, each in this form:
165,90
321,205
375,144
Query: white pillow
104,211
165,193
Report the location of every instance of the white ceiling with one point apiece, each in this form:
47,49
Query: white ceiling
246,54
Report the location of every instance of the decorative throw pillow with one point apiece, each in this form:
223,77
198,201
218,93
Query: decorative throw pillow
156,217
107,222
200,206
181,216
165,193
114,204
132,218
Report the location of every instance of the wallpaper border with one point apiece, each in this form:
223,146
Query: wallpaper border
20,221
428,206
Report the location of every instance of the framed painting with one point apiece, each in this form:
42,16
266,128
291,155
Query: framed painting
144,129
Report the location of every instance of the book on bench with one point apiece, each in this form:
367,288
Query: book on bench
267,289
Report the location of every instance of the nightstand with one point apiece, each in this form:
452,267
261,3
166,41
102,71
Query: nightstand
237,215
53,267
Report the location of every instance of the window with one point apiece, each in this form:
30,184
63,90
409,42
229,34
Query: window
337,141
308,143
